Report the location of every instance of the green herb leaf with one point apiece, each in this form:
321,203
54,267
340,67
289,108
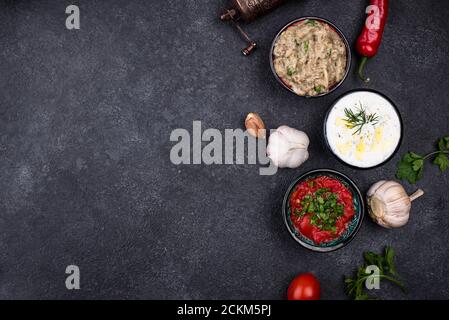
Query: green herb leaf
442,161
290,71
415,156
410,167
389,255
371,258
311,207
355,286
318,89
311,23
418,164
443,143
306,46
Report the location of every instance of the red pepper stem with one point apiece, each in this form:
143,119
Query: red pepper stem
362,68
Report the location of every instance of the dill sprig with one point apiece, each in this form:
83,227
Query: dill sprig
358,118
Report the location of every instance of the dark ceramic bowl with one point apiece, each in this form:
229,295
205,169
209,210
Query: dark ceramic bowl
340,33
400,134
354,225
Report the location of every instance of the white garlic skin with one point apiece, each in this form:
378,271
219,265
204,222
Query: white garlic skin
287,147
389,204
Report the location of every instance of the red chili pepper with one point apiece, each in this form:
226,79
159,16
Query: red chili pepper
369,40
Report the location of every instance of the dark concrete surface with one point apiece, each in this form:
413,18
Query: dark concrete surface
85,120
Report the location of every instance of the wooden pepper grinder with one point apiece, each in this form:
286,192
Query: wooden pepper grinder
248,10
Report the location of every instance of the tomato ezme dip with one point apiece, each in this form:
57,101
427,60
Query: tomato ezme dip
321,209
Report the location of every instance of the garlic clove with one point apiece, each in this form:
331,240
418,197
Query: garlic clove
377,210
255,125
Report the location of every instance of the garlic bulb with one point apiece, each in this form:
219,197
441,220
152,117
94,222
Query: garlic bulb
287,147
389,205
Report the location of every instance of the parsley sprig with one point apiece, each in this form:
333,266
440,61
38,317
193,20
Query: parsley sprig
325,209
355,286
358,118
411,166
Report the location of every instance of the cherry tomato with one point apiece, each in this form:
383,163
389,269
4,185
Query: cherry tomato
304,287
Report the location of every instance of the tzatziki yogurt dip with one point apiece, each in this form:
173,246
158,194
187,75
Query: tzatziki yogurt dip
363,129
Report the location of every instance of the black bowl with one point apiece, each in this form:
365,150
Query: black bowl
400,134
340,33
354,225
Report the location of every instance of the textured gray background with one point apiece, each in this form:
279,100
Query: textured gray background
85,119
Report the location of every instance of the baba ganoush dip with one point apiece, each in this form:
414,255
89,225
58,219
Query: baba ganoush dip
363,129
310,57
